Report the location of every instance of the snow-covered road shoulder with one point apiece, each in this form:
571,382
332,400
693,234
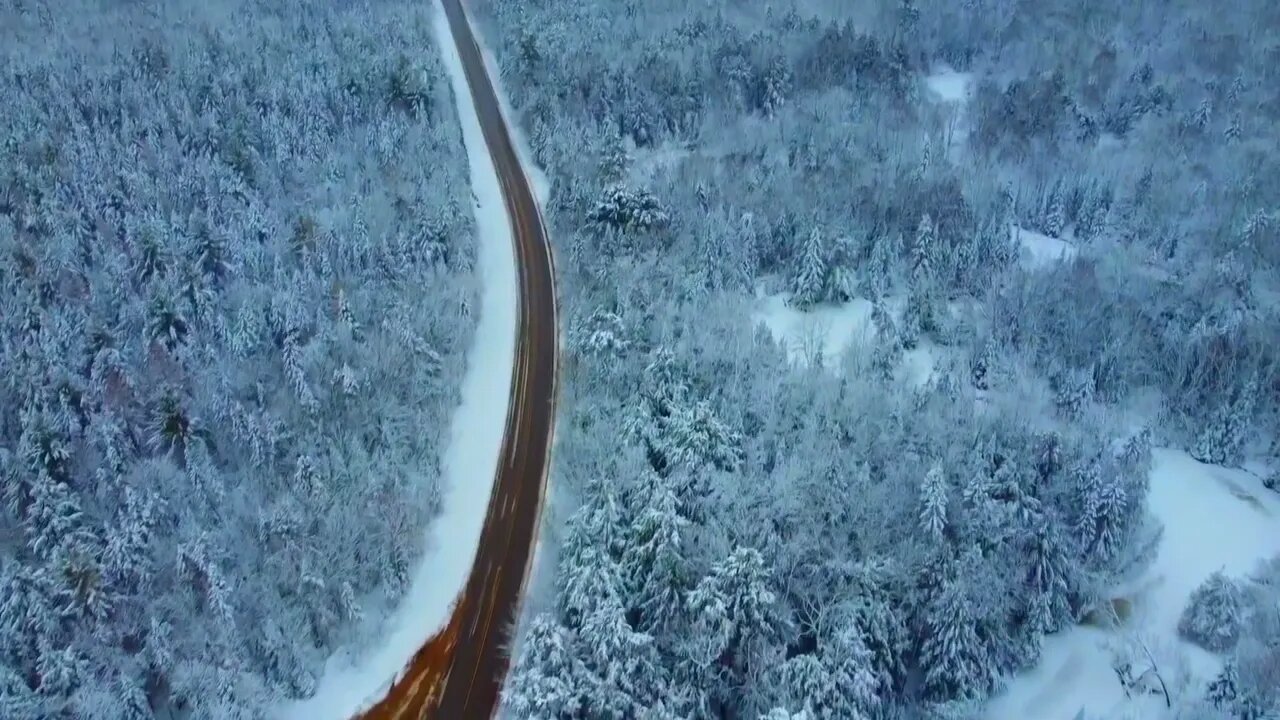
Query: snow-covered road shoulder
354,681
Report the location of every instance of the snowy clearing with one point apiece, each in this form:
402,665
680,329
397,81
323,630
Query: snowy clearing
831,329
1040,250
354,680
1214,518
949,85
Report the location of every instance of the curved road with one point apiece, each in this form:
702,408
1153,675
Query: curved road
457,674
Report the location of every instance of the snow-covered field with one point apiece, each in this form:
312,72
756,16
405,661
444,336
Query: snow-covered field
1039,250
356,679
1214,518
828,330
949,85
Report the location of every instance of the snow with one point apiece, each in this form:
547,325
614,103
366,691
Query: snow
1214,518
949,85
832,328
826,328
1040,250
354,680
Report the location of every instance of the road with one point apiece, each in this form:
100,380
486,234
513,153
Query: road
458,673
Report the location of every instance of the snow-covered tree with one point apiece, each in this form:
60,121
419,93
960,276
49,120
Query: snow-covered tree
548,678
626,208
951,653
933,504
809,285
1212,616
739,621
656,570
626,672
599,335
925,253
1050,578
1073,390
1104,514
1222,439
1055,219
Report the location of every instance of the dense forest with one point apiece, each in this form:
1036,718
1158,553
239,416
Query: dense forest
236,257
737,535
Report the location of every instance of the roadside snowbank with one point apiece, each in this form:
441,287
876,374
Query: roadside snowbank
354,681
1214,518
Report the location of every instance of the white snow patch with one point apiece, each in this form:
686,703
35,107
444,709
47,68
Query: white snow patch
949,85
1040,250
828,329
353,681
1214,518
647,162
918,364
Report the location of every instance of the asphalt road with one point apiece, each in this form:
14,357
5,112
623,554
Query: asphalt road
458,673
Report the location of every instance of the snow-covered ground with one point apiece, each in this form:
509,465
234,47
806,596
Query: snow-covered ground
1039,250
949,85
1214,518
354,680
828,330
951,90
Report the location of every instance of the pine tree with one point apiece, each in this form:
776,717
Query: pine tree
600,335
1103,518
1212,618
925,253
1056,214
952,655
1223,691
548,679
881,266
588,574
626,672
738,617
810,284
1223,437
653,563
1049,579
933,504
854,692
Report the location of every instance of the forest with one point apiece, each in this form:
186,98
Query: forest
734,534
237,260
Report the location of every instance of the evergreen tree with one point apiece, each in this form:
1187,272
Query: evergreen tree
1223,437
1049,578
739,621
1103,514
653,562
1212,616
951,654
548,679
933,504
600,335
809,286
925,253
881,266
626,672
1055,220
1223,691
